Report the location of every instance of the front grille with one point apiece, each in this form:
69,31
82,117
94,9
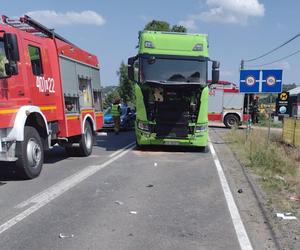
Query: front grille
169,130
172,120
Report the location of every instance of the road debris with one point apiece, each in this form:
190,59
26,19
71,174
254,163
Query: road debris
240,191
133,212
63,236
286,216
150,186
295,198
278,177
119,202
155,164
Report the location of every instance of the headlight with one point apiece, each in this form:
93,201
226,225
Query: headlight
201,128
148,45
143,126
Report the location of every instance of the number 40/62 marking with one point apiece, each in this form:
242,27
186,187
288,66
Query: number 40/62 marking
45,85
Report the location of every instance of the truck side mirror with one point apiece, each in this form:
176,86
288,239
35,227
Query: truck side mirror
11,47
131,61
12,53
11,68
215,72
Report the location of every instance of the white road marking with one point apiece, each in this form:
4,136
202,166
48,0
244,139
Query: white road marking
118,151
43,198
102,133
240,230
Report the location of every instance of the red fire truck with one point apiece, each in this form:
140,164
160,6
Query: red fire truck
226,104
49,93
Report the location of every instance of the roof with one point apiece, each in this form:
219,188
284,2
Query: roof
172,43
294,91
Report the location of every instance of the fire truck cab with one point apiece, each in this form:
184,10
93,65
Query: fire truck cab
49,93
226,104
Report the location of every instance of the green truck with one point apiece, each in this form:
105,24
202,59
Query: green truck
170,75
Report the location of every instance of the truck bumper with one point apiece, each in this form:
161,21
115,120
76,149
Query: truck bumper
7,147
197,140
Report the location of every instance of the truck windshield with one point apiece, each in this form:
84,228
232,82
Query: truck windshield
3,60
173,70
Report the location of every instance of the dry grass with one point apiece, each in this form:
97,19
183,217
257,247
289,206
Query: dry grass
276,164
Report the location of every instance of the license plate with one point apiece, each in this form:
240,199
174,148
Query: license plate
171,143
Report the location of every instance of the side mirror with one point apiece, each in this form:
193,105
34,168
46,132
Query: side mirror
11,47
131,61
215,72
11,69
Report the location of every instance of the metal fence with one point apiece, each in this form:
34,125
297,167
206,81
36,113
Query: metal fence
291,131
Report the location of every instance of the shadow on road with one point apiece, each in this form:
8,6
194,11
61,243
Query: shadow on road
175,149
7,172
113,142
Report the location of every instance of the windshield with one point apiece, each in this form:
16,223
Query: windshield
3,59
173,70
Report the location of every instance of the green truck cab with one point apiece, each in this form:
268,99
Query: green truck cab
170,75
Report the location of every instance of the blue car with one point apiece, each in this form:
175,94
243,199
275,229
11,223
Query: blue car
127,118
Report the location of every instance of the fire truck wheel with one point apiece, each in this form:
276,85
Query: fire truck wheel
231,120
30,154
86,142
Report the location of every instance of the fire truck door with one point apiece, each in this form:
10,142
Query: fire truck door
40,77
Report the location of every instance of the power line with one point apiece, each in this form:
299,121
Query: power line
271,51
278,60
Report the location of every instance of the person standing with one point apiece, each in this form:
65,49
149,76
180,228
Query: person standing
115,113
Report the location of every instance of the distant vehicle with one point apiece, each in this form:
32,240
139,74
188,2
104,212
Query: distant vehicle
127,118
226,104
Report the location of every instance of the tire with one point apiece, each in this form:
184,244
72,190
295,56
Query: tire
30,154
87,141
231,120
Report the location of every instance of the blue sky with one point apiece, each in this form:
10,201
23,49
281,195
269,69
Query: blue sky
236,29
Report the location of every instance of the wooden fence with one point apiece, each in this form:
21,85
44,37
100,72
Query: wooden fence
291,131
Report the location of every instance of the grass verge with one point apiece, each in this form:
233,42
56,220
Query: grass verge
276,165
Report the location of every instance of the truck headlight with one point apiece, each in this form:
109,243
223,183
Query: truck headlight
143,126
201,128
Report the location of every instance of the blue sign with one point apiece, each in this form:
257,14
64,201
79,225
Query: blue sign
271,81
261,81
249,81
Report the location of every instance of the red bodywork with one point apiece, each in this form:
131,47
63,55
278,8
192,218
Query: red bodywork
21,89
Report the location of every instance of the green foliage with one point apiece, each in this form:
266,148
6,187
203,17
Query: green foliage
126,87
156,25
269,160
179,28
3,60
109,94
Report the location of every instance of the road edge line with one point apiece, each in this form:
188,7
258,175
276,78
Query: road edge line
239,227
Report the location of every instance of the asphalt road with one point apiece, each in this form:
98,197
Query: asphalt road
118,199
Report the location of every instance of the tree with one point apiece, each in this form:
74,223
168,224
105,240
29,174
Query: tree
179,28
156,25
109,95
126,87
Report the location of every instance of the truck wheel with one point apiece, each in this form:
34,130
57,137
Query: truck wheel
30,154
231,120
86,142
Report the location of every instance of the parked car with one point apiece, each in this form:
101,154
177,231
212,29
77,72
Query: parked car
127,118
